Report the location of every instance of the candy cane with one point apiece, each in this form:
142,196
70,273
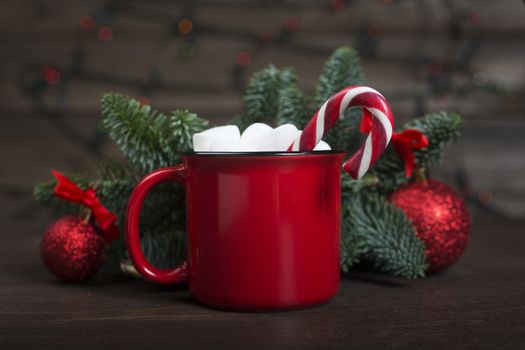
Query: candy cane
374,104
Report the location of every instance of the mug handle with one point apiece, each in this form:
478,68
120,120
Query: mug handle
172,275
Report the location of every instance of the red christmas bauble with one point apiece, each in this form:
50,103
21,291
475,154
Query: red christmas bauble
440,217
72,249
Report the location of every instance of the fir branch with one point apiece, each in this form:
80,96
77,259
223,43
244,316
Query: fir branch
342,69
386,234
114,170
137,130
183,125
164,208
389,171
165,249
262,94
353,246
114,194
345,134
441,129
149,139
293,107
43,193
163,211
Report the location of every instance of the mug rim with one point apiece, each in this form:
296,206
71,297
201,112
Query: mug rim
260,153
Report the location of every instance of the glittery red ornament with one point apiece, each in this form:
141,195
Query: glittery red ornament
72,249
440,217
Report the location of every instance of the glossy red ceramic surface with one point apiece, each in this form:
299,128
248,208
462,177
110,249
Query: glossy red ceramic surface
263,230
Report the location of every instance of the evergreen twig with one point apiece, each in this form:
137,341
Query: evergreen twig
342,69
183,125
149,139
441,128
386,234
262,94
293,107
43,193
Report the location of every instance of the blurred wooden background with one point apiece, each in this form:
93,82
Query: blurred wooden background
59,57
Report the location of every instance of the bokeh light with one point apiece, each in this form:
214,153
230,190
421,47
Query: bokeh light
338,5
435,68
187,50
87,23
375,30
50,75
266,37
143,100
480,79
292,23
185,26
105,33
243,58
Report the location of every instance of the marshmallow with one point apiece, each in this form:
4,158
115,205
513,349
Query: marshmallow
258,136
254,131
227,145
203,141
284,136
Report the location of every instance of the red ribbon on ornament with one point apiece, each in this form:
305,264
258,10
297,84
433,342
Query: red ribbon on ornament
404,142
69,191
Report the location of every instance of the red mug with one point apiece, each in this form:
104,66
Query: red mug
263,228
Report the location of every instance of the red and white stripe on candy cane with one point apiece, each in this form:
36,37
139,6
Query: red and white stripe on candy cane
373,104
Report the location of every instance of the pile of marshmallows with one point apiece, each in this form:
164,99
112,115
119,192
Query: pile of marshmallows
258,137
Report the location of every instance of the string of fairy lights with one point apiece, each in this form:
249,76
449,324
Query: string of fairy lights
37,79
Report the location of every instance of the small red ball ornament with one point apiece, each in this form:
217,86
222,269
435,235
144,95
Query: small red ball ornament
440,217
72,249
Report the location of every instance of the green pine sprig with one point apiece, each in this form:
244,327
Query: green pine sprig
441,129
262,94
164,249
384,235
149,139
110,169
293,107
43,193
183,124
342,69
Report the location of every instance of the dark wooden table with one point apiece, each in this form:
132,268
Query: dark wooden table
479,303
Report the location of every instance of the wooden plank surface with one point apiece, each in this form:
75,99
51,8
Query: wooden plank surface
478,304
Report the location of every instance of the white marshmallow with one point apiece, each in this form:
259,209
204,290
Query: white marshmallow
224,145
255,131
203,141
283,136
258,136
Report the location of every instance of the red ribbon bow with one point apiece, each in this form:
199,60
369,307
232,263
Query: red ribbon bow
68,190
404,142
